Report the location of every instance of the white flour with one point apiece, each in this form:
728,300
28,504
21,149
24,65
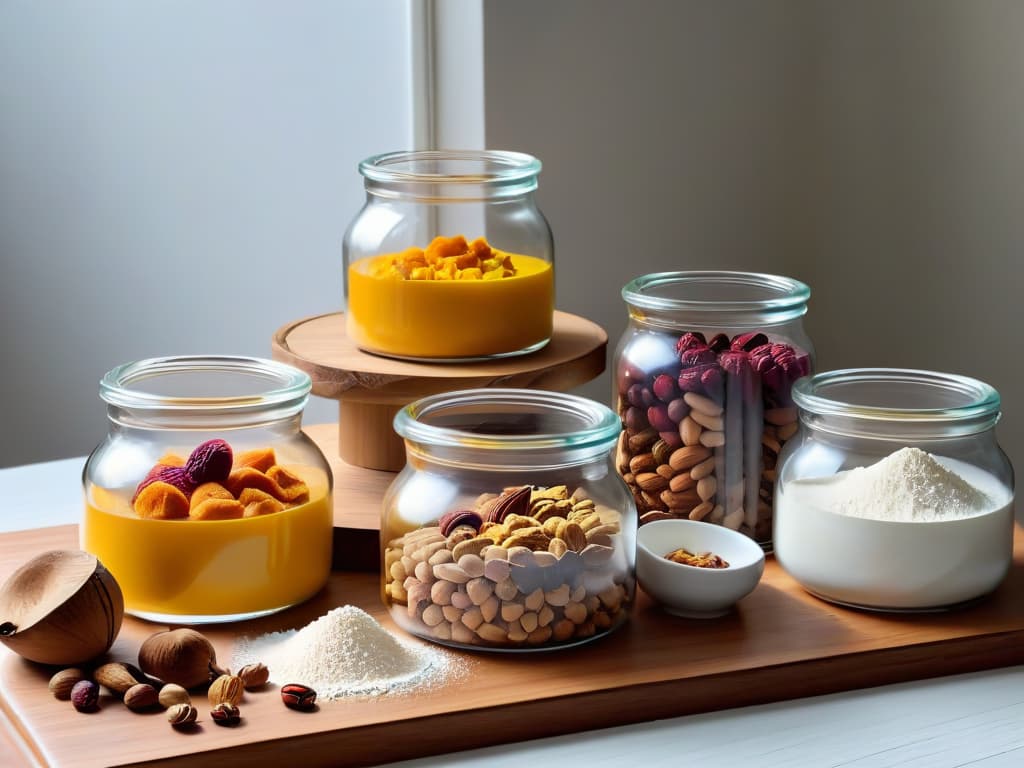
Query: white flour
346,652
906,486
911,532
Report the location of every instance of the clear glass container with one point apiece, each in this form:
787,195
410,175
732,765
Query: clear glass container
508,529
895,494
450,258
205,500
702,379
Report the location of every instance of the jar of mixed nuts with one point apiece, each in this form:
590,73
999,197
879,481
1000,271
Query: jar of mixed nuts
449,239
702,383
508,528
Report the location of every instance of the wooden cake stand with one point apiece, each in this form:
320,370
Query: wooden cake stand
363,449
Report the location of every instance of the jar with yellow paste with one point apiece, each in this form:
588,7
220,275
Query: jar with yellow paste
450,258
205,500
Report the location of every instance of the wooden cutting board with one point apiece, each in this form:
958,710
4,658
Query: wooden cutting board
779,643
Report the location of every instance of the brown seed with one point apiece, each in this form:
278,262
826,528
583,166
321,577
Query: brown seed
642,462
666,471
652,482
140,697
706,488
690,431
62,682
298,696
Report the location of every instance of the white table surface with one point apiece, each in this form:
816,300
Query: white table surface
972,720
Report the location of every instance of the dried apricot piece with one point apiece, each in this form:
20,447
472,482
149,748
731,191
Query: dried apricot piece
209,491
257,503
258,458
446,246
292,488
161,501
247,477
217,509
171,460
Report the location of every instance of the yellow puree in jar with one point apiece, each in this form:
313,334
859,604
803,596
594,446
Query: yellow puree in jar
438,318
213,567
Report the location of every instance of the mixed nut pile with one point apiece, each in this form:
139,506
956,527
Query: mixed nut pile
171,663
529,567
702,433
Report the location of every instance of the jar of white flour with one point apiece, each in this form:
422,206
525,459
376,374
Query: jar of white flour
895,494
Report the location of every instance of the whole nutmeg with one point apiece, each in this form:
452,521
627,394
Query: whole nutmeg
62,682
181,656
85,696
226,689
254,676
180,715
140,697
172,694
225,713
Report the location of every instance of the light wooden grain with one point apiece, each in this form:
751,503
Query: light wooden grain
780,643
371,389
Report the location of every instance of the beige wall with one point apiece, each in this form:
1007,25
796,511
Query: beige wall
874,150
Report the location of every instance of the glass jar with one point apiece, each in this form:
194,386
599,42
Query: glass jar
508,528
702,383
895,495
450,258
205,500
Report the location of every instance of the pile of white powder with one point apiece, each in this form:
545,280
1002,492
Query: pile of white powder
906,486
346,652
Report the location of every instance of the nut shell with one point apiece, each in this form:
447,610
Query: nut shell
61,608
226,689
117,677
254,675
181,714
140,697
172,694
181,656
62,682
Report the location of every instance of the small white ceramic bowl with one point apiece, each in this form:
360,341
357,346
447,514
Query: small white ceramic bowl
686,590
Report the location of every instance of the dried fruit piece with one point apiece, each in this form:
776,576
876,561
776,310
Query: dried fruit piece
85,696
247,477
217,509
161,473
258,458
209,491
210,462
291,487
701,560
161,501
257,502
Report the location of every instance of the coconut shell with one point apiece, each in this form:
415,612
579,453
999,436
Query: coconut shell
62,607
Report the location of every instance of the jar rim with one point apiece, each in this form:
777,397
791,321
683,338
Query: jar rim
289,385
782,295
502,166
980,400
600,427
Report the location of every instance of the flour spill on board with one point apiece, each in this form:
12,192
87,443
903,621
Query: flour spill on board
346,652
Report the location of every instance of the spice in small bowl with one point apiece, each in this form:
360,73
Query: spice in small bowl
700,560
727,566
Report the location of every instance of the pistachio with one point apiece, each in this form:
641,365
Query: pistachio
62,682
225,713
180,715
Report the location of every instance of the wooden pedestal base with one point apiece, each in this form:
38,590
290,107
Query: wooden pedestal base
371,389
